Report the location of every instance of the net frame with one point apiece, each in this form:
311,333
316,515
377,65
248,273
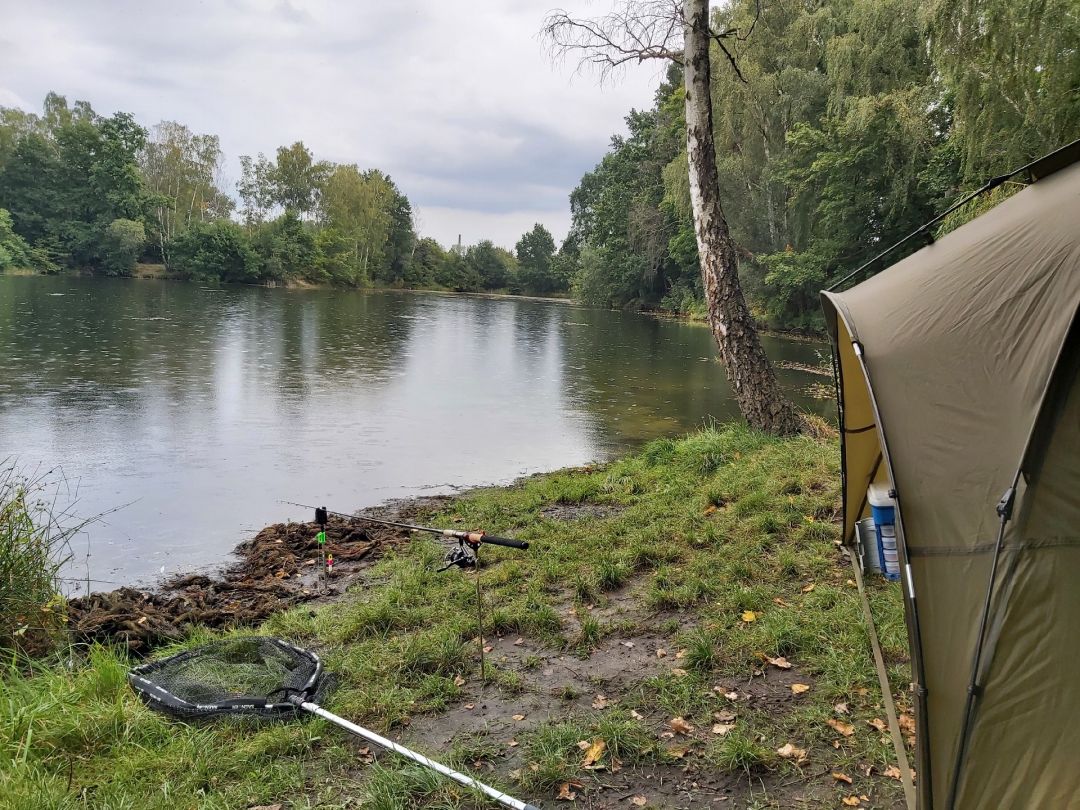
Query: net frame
152,682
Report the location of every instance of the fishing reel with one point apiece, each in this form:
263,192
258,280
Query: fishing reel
461,556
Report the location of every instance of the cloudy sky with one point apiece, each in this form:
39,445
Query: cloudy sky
459,101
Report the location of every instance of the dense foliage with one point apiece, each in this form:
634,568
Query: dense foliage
86,192
849,123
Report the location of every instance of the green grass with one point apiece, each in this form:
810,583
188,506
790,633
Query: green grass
712,525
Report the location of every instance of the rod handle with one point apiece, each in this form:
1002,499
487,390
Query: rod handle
509,542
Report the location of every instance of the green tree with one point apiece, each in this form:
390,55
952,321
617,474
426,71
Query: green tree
14,252
285,248
493,265
535,253
216,251
297,178
123,244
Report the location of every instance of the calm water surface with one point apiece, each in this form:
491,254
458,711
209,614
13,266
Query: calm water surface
193,412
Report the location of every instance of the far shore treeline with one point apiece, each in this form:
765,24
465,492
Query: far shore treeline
81,191
846,125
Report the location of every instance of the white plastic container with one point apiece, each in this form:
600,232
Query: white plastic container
883,507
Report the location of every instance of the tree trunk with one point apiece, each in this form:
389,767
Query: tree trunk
748,369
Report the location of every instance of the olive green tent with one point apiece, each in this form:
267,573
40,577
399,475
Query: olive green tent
957,379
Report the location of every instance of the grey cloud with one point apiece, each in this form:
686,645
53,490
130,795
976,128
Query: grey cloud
456,100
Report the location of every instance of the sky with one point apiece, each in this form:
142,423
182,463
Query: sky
460,102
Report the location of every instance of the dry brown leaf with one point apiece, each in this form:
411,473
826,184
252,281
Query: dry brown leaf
789,751
749,616
639,801
840,726
851,801
583,744
877,723
600,702
722,728
731,695
469,707
635,715
678,673
724,717
778,601
519,717
513,743
780,662
808,588
488,648
680,726
459,681
893,772
682,653
840,708
628,644
907,723
678,751
519,641
800,688
266,807
594,753
710,508
660,653
565,793
841,777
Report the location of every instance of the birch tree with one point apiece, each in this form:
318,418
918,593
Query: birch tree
680,31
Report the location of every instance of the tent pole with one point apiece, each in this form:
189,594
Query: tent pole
1004,510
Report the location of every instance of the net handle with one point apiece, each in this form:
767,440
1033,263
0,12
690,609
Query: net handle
463,779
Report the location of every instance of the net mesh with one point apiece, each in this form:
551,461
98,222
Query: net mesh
254,675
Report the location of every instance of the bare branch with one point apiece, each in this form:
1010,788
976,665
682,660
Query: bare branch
637,30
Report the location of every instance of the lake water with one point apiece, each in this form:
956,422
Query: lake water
190,413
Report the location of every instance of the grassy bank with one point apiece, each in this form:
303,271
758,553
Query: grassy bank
656,591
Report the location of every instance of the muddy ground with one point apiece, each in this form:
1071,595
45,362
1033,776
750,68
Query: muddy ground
276,569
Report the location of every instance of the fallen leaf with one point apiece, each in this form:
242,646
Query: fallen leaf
616,764
519,717
789,751
724,717
841,777
513,743
627,644
800,688
840,726
519,641
515,774
266,807
594,753
731,695
583,745
779,663
749,616
778,601
680,726
907,723
893,772
677,672
488,648
459,681
639,801
660,653
851,801
469,706
836,744
808,588
567,795
840,708
710,509
722,728
635,715
678,751
682,653
877,723
600,702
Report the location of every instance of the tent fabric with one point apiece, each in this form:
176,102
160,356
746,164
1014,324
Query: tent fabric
953,356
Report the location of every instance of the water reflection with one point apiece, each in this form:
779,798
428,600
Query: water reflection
199,410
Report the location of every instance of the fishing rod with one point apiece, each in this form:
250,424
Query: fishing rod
465,556
474,539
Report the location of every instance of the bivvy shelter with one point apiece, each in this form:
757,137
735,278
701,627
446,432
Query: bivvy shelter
958,384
